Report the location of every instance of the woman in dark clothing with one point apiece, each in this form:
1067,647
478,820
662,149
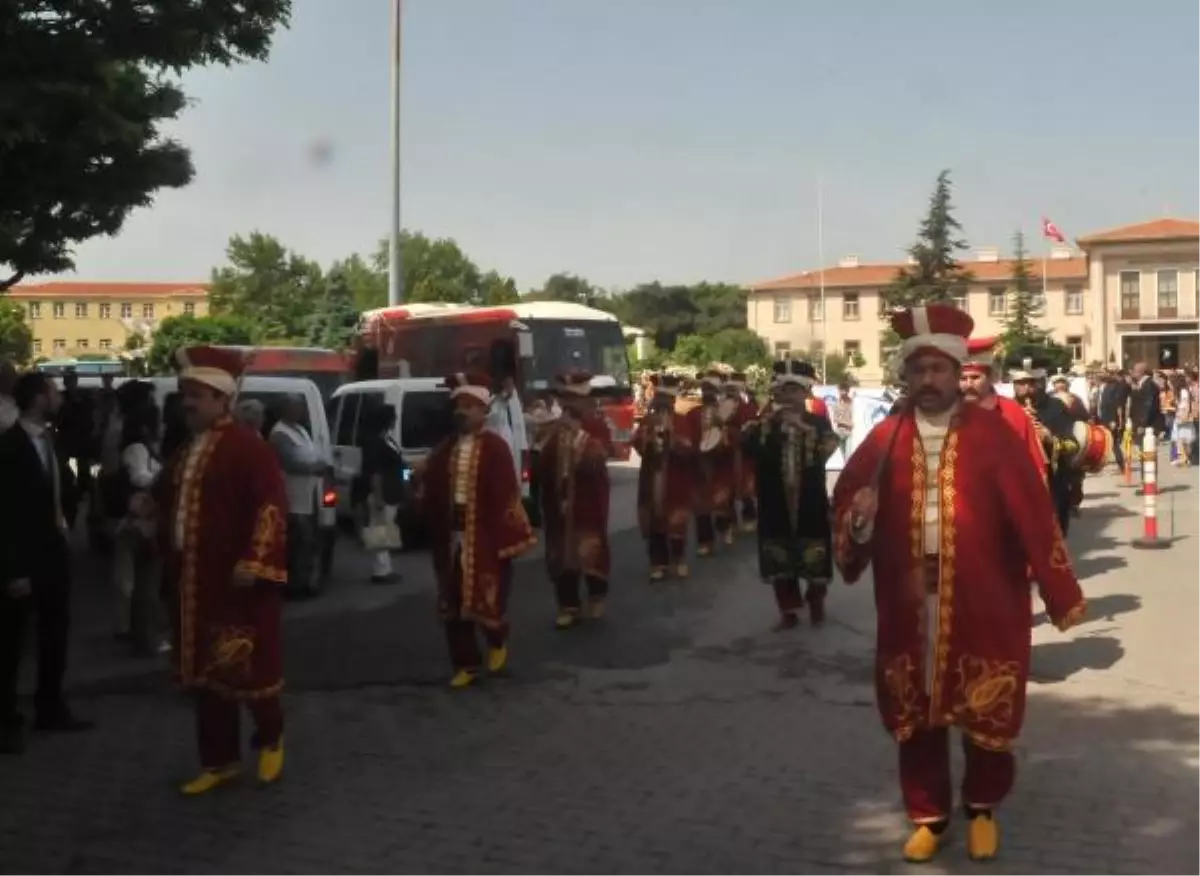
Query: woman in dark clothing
136,566
174,431
382,490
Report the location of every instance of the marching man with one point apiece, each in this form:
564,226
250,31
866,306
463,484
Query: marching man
477,524
744,484
666,480
1078,412
573,474
715,461
978,387
790,447
932,502
224,520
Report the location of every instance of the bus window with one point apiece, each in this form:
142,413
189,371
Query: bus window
426,418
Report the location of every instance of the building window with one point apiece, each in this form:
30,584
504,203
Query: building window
189,309
80,310
1075,345
35,310
81,344
127,311
1073,301
148,311
885,309
959,299
1168,293
60,345
997,301
105,344
782,349
1131,295
106,311
783,309
851,351
816,312
60,310
850,305
37,345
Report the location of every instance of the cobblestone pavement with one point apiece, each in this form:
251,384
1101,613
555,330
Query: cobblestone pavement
678,735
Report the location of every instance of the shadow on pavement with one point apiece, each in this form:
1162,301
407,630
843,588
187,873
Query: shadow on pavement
1057,661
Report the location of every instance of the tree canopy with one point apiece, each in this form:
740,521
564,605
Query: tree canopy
87,86
185,331
1022,337
275,289
16,337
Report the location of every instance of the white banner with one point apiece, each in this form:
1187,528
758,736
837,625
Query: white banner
869,406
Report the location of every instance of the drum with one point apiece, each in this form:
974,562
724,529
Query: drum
1095,447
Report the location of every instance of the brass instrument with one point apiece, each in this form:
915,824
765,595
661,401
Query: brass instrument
662,424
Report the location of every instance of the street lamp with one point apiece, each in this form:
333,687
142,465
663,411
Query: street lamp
395,266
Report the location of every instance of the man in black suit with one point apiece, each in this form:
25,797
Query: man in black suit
1110,410
35,571
1145,411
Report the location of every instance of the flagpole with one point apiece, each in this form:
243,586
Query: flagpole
395,265
821,263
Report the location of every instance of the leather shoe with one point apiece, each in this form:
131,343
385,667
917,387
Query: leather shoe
62,722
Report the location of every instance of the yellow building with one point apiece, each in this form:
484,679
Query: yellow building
78,317
1125,295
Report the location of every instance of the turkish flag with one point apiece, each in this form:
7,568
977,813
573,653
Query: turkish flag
1050,230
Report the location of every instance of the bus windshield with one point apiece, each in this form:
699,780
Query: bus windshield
560,345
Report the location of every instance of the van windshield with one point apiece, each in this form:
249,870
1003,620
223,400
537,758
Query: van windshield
426,419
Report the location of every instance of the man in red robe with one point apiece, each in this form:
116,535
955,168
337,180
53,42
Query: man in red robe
714,507
978,387
477,524
1061,387
666,480
573,472
932,501
223,522
744,471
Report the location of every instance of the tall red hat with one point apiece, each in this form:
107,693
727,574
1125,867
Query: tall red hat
473,384
938,328
215,367
981,355
574,382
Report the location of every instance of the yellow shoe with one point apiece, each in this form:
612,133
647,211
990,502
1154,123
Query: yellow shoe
658,573
270,763
728,537
983,838
704,550
681,571
463,678
497,658
922,845
208,781
596,609
565,620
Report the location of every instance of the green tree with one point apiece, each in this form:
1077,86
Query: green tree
935,274
498,290
268,285
87,86
367,283
1022,338
565,287
739,348
185,331
667,313
16,337
434,269
335,321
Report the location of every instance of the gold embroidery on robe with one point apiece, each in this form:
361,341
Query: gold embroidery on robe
988,688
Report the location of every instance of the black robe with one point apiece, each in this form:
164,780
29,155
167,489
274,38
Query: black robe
1055,416
787,549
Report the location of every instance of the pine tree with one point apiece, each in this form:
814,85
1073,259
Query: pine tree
334,324
1022,338
935,274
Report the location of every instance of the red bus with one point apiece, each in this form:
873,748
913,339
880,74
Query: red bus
328,369
537,339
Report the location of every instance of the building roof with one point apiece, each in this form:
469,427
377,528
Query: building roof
881,274
84,289
1155,230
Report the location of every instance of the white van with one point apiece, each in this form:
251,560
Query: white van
424,418
271,391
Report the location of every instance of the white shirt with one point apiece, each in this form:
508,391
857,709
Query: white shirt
301,488
8,413
932,429
506,418
141,467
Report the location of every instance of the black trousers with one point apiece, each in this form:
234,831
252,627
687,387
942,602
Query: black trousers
566,589
665,550
50,603
1118,453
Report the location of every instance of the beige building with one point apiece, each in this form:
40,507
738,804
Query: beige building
73,318
1129,294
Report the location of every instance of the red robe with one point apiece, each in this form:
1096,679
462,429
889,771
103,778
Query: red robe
495,527
574,479
224,512
1015,416
667,477
995,519
746,484
715,482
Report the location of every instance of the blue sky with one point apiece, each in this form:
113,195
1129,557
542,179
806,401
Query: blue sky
681,140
